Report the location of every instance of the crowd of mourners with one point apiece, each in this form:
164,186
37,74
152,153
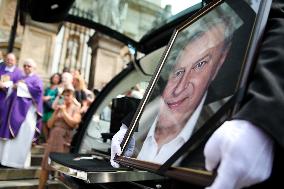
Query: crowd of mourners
31,114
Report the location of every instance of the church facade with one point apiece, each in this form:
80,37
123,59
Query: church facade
58,45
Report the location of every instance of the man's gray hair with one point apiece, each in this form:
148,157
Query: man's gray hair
30,61
223,14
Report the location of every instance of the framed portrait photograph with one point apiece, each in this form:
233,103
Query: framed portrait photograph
196,87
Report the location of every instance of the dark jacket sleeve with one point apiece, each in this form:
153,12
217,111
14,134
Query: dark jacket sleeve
264,104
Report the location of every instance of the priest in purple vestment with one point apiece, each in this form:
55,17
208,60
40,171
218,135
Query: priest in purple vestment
23,123
9,74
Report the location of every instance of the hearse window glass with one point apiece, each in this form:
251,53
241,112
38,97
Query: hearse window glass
101,122
123,17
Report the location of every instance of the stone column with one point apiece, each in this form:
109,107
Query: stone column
38,43
7,12
106,60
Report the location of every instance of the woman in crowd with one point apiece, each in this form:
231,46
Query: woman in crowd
80,94
50,94
64,119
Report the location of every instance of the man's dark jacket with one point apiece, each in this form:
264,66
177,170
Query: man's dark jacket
264,105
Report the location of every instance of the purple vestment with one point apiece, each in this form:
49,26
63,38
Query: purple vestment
19,107
15,76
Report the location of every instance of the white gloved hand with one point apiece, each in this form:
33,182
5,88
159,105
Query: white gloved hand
115,145
243,152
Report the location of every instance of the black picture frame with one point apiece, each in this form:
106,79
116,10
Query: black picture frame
240,25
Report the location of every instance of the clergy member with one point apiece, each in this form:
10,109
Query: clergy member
9,74
24,119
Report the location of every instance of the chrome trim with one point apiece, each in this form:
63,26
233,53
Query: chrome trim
105,177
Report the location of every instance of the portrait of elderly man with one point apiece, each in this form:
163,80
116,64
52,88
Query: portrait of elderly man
23,121
194,60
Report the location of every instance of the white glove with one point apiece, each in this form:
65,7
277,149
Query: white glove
245,154
115,145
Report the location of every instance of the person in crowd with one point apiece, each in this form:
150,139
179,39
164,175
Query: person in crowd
64,119
135,92
96,92
76,73
23,121
66,79
50,93
80,94
90,96
197,63
9,75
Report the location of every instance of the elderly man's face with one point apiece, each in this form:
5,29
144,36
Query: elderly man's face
196,67
28,68
10,60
